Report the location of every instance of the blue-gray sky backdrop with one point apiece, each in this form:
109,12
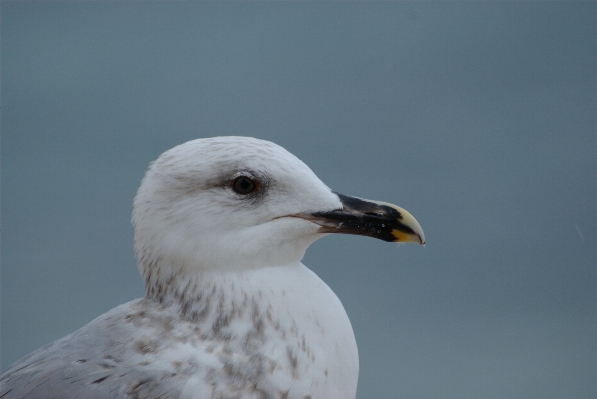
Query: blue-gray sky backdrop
478,117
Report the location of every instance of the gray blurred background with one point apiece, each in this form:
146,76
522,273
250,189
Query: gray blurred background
479,118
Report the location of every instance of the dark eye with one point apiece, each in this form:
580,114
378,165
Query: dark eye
243,185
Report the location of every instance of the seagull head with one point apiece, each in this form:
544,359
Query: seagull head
231,203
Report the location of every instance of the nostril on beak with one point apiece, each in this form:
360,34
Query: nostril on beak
376,214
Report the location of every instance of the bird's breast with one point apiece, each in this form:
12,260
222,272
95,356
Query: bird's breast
276,332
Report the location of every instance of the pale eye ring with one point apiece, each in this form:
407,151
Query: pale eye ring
244,185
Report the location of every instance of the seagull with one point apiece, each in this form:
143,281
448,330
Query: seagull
221,225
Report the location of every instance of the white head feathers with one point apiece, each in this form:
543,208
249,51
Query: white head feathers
187,216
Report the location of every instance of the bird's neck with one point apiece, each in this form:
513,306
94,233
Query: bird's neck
203,294
191,294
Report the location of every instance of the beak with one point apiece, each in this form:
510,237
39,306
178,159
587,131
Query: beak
375,219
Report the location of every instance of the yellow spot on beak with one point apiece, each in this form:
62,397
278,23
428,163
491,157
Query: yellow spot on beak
405,237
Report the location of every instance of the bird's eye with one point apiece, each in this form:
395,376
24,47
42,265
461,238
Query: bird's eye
243,185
